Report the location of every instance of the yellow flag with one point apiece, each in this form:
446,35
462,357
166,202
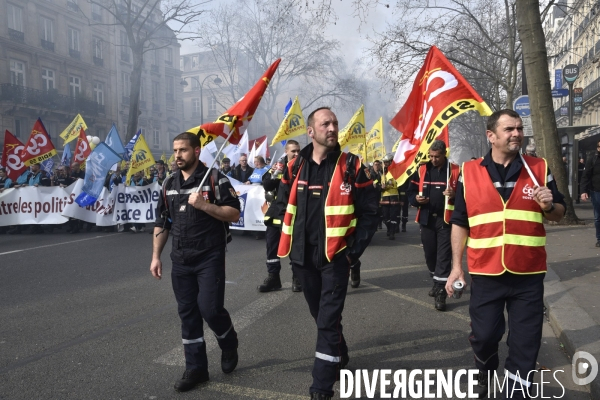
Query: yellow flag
164,157
354,132
71,132
292,125
141,158
171,159
205,137
374,140
358,149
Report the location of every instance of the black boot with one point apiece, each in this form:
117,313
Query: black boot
272,282
229,360
434,290
404,227
319,396
296,285
440,299
191,378
355,275
391,236
481,390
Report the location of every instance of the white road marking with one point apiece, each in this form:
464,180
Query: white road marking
56,244
393,268
238,391
416,301
241,320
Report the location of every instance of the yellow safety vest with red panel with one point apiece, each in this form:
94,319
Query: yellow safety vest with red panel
504,236
340,220
450,182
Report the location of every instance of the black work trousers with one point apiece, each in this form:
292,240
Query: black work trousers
390,212
523,297
325,292
435,237
272,236
200,293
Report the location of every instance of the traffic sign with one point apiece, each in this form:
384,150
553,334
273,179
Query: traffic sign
560,92
571,73
521,106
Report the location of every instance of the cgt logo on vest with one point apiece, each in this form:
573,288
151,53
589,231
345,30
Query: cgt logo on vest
346,188
528,192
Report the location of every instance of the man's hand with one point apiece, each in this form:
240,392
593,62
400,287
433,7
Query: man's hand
457,274
422,200
584,196
197,201
543,196
156,268
449,192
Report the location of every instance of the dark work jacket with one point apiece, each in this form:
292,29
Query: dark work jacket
590,179
194,232
236,173
366,202
413,190
271,184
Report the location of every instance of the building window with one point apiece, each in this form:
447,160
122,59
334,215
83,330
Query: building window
73,39
169,56
96,12
48,79
195,62
156,137
125,84
155,92
20,126
195,107
212,106
155,57
195,83
97,44
181,63
17,72
170,89
74,86
47,29
124,42
99,93
15,18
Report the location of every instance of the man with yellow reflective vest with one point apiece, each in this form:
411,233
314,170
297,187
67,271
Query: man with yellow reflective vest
329,209
390,200
501,201
432,190
270,182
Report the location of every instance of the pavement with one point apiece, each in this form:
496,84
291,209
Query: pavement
573,278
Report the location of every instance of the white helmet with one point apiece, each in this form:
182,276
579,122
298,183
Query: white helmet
388,157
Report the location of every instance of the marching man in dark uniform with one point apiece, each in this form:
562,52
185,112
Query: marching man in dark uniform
329,210
501,202
390,200
198,221
270,182
432,190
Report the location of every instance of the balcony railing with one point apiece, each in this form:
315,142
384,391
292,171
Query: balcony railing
17,36
98,61
75,54
21,95
591,90
47,45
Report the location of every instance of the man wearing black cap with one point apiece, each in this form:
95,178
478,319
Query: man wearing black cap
161,172
225,165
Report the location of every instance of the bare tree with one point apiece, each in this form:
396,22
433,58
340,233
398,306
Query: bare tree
250,34
149,25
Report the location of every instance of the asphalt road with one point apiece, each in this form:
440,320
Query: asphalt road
81,318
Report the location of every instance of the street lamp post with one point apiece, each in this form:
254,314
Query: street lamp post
217,81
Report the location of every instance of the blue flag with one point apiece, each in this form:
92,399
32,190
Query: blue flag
47,166
285,111
129,146
113,140
97,166
66,156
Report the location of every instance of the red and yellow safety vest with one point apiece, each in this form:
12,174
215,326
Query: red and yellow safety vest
504,236
450,182
340,220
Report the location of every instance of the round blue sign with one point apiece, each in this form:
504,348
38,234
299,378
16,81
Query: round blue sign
521,106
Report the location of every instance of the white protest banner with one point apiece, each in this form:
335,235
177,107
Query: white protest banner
135,204
253,208
34,205
99,213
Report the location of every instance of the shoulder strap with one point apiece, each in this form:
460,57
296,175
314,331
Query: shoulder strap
214,177
296,167
350,173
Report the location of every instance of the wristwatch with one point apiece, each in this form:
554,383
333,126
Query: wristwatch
552,208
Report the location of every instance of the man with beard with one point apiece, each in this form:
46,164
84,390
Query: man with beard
198,221
501,201
432,190
225,166
328,206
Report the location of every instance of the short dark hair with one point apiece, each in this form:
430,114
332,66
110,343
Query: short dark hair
311,116
492,122
225,160
190,137
2,169
291,141
261,159
438,145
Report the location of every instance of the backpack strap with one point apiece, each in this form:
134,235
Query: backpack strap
350,174
214,177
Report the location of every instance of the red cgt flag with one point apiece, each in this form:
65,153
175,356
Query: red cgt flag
39,147
82,150
11,156
439,94
241,113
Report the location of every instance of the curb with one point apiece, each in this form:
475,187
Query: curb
571,324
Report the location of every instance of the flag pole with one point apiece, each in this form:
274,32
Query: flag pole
214,161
